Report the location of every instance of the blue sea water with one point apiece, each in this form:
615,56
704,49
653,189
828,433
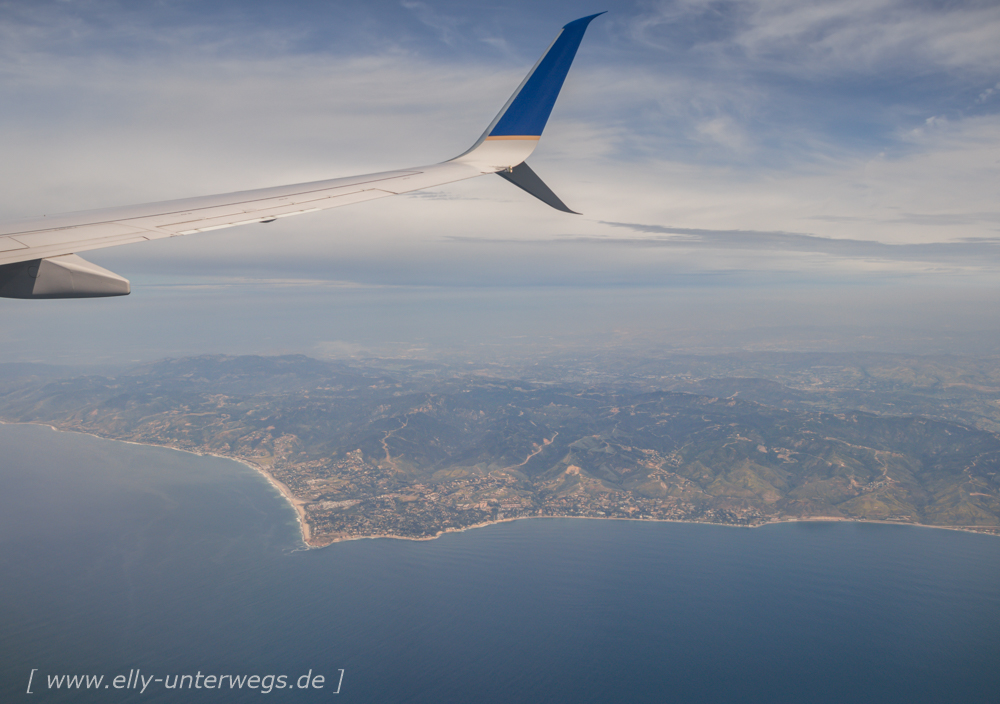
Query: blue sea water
118,557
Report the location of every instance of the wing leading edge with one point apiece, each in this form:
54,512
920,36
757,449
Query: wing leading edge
38,256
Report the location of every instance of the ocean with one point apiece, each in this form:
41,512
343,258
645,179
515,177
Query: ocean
148,564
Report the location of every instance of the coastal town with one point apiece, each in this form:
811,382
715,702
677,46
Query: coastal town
426,511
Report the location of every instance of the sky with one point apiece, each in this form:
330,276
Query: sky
758,174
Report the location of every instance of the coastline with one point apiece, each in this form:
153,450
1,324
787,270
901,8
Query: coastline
305,529
297,505
979,530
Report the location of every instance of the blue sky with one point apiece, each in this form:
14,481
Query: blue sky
792,163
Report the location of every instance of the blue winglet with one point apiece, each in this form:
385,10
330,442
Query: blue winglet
528,110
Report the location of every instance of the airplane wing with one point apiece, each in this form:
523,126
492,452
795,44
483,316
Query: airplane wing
38,256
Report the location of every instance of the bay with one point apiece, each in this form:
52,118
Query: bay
118,557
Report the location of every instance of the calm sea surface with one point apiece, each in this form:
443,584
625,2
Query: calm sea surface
118,557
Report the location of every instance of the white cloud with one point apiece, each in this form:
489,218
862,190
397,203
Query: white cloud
723,130
986,94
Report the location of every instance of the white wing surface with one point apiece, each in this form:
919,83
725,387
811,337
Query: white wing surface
38,256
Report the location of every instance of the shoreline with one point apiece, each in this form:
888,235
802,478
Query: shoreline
305,529
979,530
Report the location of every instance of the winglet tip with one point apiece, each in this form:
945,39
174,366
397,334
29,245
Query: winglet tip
521,121
584,20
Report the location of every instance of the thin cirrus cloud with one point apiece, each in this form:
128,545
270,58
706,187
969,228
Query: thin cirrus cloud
820,93
980,254
970,250
828,36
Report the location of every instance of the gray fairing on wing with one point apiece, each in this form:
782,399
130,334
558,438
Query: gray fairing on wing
68,276
527,180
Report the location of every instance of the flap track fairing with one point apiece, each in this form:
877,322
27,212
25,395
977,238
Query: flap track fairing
68,276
